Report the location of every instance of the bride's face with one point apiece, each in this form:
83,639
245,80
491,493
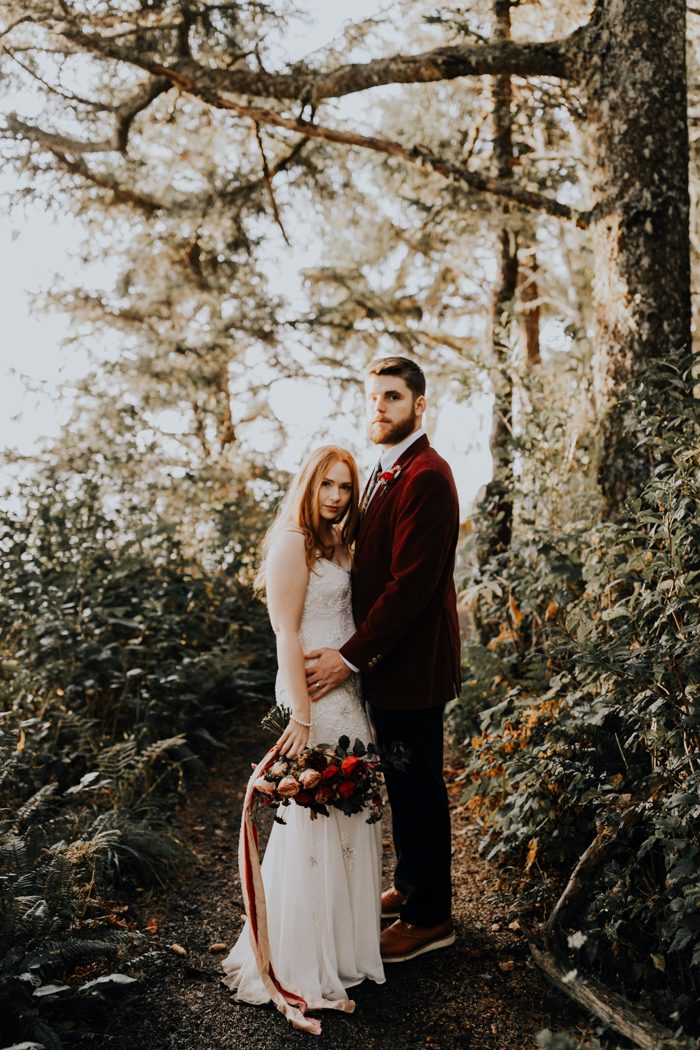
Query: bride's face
335,491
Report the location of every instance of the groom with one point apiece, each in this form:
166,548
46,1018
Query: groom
406,647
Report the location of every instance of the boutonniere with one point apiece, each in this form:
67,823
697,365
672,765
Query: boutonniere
388,477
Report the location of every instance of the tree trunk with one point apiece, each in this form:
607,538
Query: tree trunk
632,67
498,500
528,294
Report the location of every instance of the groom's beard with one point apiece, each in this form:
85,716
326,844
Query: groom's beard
384,434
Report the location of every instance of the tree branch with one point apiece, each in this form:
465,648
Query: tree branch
53,141
121,194
267,178
61,146
592,857
125,114
416,156
17,22
634,1022
623,1016
311,86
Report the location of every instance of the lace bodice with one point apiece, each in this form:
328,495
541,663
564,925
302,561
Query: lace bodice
327,622
327,617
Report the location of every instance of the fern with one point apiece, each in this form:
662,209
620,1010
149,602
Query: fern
60,952
36,805
128,767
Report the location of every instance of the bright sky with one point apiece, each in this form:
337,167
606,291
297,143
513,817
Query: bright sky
35,369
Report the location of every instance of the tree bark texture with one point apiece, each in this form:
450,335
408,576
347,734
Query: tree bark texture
498,501
631,63
528,295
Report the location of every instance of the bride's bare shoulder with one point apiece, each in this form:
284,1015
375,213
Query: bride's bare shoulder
288,545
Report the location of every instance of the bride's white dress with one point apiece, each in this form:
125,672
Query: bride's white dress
322,877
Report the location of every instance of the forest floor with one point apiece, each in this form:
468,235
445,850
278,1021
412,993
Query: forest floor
484,993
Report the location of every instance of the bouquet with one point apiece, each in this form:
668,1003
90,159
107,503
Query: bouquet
346,778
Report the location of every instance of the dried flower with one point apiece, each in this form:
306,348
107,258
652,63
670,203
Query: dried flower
309,778
288,787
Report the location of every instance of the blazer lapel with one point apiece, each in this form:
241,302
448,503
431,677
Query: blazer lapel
379,497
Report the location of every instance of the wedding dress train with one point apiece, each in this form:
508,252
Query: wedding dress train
322,877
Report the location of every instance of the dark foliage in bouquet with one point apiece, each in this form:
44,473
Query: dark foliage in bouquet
344,777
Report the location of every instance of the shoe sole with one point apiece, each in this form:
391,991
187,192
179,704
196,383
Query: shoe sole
390,914
444,942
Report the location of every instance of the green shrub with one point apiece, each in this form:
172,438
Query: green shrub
123,659
590,648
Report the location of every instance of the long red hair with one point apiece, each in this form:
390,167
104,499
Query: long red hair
300,508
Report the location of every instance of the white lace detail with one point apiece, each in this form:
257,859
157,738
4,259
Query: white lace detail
327,622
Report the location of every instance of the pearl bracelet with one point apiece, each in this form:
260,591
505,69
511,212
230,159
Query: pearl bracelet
306,725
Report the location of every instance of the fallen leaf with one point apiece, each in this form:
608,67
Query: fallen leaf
505,634
531,853
507,964
515,613
178,949
218,946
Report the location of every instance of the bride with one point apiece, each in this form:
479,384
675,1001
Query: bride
322,877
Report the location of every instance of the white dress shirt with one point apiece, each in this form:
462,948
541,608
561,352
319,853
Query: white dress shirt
392,453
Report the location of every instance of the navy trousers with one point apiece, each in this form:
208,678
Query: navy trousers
420,813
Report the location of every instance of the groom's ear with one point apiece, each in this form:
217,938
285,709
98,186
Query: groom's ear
420,405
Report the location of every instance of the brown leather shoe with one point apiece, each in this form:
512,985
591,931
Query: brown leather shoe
403,941
391,901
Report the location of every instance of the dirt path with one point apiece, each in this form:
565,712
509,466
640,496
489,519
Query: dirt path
484,993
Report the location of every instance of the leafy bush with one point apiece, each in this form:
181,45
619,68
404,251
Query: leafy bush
122,659
589,646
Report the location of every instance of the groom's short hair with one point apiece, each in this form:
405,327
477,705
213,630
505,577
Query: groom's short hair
409,371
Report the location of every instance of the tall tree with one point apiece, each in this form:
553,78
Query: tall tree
498,500
627,60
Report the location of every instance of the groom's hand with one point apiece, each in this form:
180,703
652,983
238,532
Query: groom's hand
326,673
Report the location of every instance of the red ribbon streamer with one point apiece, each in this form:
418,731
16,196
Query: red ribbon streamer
288,1001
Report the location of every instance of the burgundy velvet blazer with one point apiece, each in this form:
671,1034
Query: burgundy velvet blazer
407,641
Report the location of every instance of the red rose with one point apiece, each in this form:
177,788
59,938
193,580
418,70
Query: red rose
304,798
350,764
346,789
324,795
328,773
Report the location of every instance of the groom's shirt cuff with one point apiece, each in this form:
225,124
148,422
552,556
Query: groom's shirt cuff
348,664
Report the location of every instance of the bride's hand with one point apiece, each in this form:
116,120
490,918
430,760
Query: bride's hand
293,740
